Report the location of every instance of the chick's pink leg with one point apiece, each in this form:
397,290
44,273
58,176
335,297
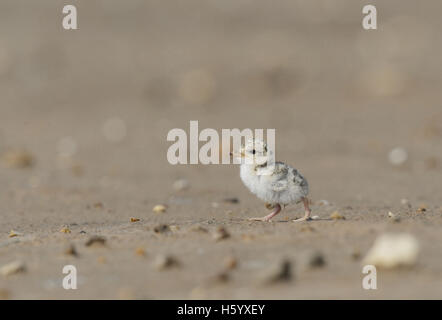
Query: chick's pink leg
269,216
307,211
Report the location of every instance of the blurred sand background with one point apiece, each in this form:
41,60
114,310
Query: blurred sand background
83,122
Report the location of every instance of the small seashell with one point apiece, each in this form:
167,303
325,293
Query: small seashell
134,219
337,216
220,234
393,250
315,217
159,208
422,209
12,268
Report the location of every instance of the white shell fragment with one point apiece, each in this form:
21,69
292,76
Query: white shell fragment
398,156
393,250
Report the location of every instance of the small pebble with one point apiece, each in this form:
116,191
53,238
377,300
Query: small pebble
220,234
12,268
337,216
95,240
159,208
163,262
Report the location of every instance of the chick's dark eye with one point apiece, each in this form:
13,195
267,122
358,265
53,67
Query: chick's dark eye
253,151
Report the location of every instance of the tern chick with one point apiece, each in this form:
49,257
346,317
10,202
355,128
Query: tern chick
276,183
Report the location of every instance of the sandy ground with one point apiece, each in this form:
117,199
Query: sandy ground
91,108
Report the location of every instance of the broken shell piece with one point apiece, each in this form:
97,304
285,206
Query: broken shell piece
159,208
392,251
65,230
337,216
163,262
220,234
12,268
280,272
12,234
